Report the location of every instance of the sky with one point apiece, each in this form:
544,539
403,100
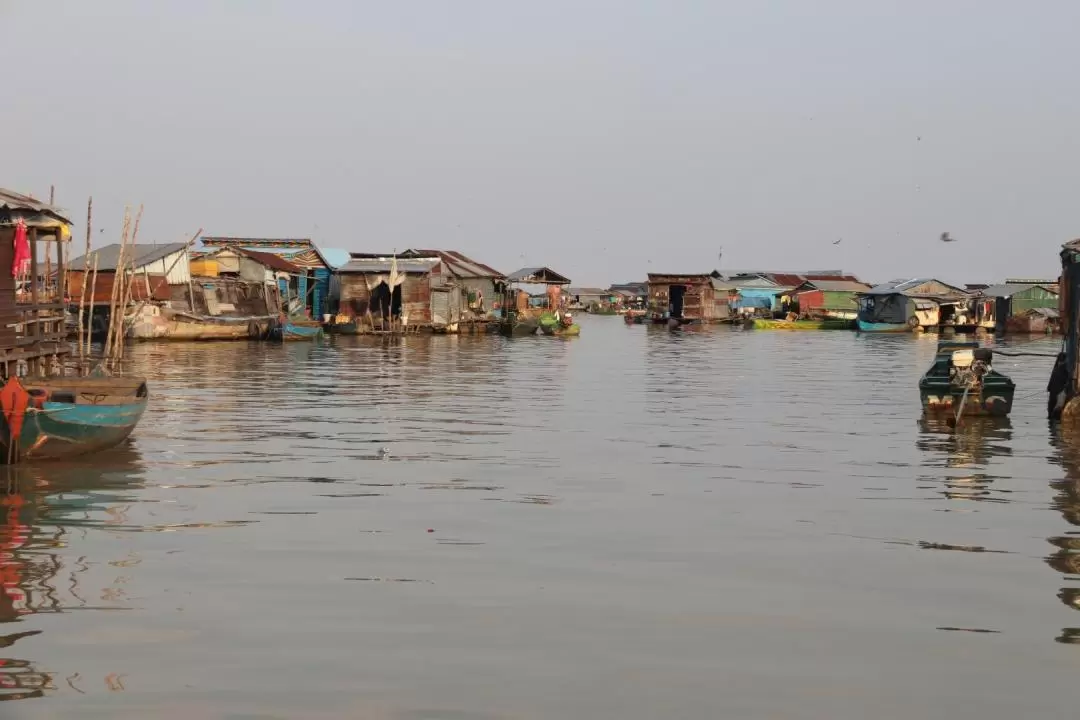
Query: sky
604,138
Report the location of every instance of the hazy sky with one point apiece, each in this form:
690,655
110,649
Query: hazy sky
605,138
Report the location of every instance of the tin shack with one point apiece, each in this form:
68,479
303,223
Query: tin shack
689,298
906,305
997,305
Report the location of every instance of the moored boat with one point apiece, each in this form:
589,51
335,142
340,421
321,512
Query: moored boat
962,382
293,330
59,417
767,324
880,327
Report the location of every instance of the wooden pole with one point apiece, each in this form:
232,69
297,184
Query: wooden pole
90,321
85,275
114,297
129,282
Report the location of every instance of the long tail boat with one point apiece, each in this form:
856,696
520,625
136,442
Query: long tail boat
46,412
824,324
962,382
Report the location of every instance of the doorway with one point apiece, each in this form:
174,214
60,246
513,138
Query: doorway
676,297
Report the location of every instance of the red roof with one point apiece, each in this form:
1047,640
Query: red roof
270,260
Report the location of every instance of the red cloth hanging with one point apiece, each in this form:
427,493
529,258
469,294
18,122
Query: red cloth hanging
20,267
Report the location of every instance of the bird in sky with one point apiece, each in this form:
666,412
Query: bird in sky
946,237
838,241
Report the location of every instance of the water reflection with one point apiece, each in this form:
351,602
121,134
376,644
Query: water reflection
1066,558
963,453
43,510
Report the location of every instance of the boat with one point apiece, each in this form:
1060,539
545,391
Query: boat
60,417
294,329
766,324
554,325
878,327
157,323
963,382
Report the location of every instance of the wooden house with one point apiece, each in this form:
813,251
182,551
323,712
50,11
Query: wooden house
431,289
903,305
313,269
686,298
828,298
33,339
996,305
160,271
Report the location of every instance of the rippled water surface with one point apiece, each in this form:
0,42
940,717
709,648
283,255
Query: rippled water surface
630,524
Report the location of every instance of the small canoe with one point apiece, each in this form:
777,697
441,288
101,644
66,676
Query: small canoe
293,331
962,382
765,324
561,331
60,417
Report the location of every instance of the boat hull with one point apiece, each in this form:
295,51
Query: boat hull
104,413
990,402
291,332
764,324
870,327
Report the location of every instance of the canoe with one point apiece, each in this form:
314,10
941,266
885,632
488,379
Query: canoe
292,331
60,417
764,324
560,331
961,368
870,327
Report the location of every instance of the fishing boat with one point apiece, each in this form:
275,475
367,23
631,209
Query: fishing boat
767,324
60,417
963,382
554,325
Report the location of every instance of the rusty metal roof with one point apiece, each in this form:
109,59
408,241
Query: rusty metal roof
270,260
12,201
539,275
458,263
380,265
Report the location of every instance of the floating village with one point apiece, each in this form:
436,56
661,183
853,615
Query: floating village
67,316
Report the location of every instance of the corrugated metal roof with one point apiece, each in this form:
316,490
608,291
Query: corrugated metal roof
459,264
109,255
1010,289
839,285
601,292
285,247
270,260
1045,312
17,202
538,275
378,265
902,287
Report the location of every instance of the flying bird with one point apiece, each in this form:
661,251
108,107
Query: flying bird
946,237
838,241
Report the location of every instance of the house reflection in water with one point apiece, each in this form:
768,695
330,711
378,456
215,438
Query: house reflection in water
1065,557
34,528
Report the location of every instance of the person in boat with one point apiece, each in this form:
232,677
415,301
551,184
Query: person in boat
1059,380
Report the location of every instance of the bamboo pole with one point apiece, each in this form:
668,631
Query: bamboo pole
85,275
114,297
129,282
90,322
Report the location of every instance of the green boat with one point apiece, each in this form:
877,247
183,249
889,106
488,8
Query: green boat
963,382
825,324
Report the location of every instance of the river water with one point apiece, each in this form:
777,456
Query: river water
630,524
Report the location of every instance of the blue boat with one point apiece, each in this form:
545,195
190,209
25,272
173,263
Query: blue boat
60,417
878,327
292,331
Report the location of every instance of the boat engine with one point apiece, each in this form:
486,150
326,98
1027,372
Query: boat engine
968,367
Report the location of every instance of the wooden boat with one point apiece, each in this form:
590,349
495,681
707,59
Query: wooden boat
182,326
60,417
872,327
766,324
293,330
963,382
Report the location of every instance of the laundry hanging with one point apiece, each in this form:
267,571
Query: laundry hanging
20,266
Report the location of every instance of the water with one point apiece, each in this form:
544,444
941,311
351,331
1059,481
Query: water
631,524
